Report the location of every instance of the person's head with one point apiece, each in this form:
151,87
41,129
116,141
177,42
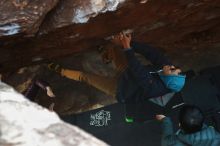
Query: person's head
172,78
191,119
171,70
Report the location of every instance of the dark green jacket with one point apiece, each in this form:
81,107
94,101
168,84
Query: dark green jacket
208,136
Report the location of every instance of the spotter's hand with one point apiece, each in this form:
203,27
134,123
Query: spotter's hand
160,117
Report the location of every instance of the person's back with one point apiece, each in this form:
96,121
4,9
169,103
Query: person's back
193,131
207,136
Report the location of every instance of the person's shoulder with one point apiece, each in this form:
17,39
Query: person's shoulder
217,133
171,140
212,129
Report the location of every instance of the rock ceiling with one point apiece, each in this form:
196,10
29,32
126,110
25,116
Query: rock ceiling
32,32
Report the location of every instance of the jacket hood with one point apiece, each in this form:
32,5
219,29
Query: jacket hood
206,137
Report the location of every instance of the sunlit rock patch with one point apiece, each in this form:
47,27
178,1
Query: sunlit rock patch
92,8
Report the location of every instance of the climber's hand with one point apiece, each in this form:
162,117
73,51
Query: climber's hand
125,40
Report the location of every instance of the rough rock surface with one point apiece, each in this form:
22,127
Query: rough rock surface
23,16
70,30
33,32
186,29
25,123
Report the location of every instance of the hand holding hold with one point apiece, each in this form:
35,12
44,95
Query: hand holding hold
122,39
125,40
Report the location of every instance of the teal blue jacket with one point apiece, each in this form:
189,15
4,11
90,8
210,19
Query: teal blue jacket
208,136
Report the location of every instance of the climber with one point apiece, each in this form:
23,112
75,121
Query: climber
134,81
192,132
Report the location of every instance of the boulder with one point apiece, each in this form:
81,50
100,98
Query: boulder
27,124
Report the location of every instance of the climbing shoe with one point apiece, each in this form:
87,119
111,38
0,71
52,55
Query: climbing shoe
54,67
129,120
